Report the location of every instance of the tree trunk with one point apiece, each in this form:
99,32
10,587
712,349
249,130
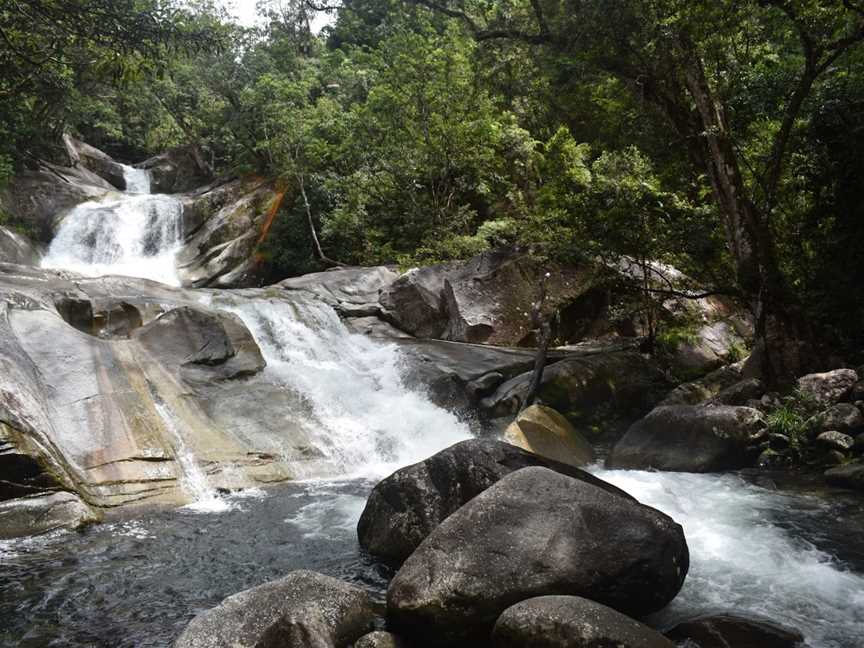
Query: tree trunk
312,232
780,341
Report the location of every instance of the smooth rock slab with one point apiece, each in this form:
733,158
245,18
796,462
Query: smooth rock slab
687,438
535,533
571,622
405,507
729,631
302,610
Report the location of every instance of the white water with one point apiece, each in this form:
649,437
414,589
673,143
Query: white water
194,481
364,419
742,560
134,234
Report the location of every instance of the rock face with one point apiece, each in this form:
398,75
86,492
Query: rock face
536,533
91,158
36,514
571,622
728,631
354,290
483,300
15,248
404,508
37,200
301,610
224,225
687,438
830,387
175,171
545,432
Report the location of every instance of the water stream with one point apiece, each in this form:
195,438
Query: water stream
787,555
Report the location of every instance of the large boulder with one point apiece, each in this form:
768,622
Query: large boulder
545,432
404,508
571,622
175,171
37,514
15,248
483,300
687,438
224,226
536,532
99,162
842,417
829,387
730,631
301,610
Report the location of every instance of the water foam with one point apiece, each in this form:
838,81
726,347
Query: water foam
742,559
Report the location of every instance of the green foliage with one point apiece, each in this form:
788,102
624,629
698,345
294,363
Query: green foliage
792,419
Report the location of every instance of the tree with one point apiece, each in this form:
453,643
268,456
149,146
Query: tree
691,62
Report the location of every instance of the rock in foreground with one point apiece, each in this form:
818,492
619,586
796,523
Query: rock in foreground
728,631
301,610
405,507
571,622
687,438
544,431
536,533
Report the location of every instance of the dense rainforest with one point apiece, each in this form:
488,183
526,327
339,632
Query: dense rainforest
721,138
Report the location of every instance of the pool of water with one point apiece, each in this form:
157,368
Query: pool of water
796,557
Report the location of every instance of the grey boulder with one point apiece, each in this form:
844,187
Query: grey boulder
37,514
379,639
687,438
405,507
301,610
571,622
730,631
829,387
536,532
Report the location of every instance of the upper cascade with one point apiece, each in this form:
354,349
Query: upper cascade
135,234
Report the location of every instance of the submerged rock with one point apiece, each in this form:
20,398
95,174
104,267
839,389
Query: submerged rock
848,475
536,532
730,631
301,610
545,432
571,622
688,438
404,508
37,514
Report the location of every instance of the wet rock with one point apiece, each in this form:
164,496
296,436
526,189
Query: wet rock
545,432
833,440
301,610
205,345
729,631
99,162
829,387
848,475
842,417
15,248
689,439
37,514
484,385
380,640
228,221
533,533
569,622
404,508
376,328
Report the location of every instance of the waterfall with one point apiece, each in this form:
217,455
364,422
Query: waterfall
134,234
361,416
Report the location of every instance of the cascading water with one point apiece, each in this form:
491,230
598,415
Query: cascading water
134,234
748,554
361,416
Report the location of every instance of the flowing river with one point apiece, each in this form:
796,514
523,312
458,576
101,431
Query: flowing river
786,554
